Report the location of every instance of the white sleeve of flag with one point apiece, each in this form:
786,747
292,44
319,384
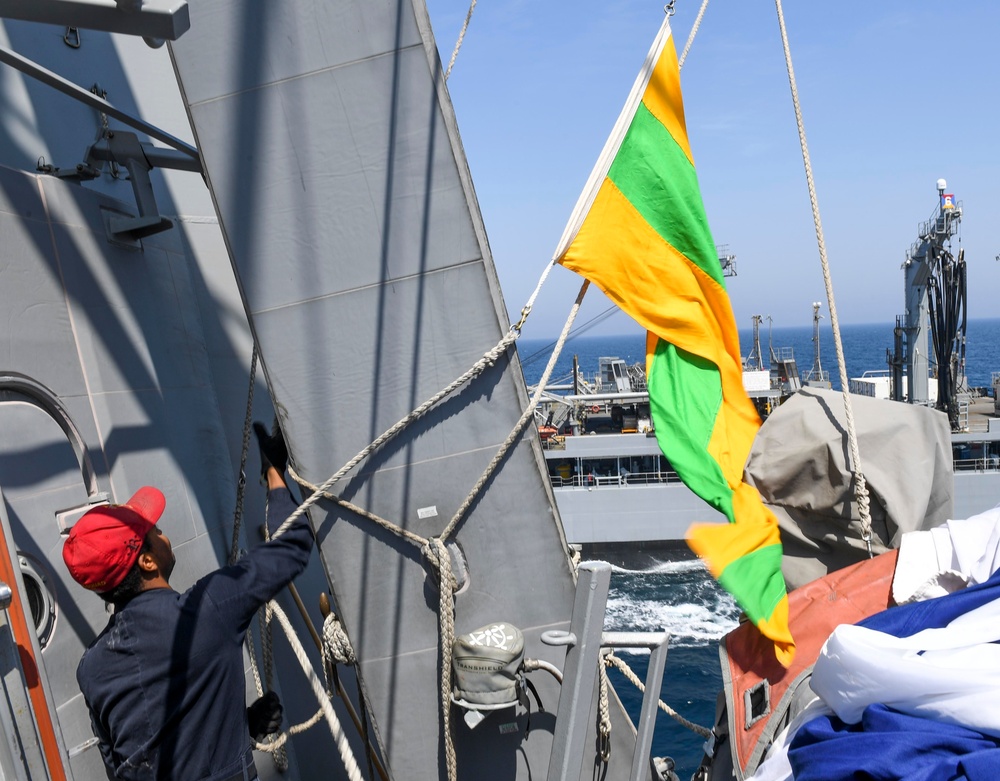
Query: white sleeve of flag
613,143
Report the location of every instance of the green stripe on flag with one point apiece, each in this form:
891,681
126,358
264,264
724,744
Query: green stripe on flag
685,394
756,578
657,178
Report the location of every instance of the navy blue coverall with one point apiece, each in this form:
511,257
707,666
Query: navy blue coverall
164,681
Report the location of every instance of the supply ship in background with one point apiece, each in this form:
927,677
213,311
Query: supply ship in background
620,499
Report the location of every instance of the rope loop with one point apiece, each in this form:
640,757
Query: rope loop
435,554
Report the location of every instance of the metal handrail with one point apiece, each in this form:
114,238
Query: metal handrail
632,479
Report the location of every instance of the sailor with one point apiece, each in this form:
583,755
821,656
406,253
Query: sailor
164,682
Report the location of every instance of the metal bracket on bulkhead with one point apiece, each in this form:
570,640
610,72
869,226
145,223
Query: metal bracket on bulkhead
123,148
139,158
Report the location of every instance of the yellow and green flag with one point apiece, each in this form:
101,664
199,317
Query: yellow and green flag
639,232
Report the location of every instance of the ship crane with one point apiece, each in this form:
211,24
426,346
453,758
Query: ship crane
935,297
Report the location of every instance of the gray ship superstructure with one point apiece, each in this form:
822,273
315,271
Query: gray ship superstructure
278,193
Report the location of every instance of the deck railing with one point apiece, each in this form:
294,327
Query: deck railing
630,479
988,464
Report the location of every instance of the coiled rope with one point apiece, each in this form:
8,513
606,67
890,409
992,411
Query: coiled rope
861,486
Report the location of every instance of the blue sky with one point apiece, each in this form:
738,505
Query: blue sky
895,95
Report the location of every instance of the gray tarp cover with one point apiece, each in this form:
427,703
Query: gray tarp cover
800,464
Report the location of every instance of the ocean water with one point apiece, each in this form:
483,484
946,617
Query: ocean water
865,348
679,596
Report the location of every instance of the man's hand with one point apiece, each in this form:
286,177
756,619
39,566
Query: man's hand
273,451
264,716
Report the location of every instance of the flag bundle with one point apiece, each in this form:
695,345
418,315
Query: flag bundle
639,232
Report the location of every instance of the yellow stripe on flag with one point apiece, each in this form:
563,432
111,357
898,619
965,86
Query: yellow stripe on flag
663,97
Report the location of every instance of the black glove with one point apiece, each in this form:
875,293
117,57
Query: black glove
264,716
272,449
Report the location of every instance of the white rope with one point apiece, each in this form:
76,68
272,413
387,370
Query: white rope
526,309
279,754
604,714
634,679
435,550
861,487
527,415
253,665
446,630
461,37
489,358
337,646
692,34
277,744
343,747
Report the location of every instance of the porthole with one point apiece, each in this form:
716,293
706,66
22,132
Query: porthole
41,605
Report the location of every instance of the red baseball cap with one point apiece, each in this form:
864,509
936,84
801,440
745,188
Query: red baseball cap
104,544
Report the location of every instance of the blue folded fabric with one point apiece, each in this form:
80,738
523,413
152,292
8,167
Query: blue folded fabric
907,620
891,746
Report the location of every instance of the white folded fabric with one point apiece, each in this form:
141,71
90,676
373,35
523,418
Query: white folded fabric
956,554
951,674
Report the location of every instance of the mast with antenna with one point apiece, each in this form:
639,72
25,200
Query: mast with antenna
816,377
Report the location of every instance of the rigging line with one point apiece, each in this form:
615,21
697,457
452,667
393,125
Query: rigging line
279,756
242,482
578,331
434,549
692,34
488,359
275,747
627,671
527,415
861,487
447,587
461,37
343,747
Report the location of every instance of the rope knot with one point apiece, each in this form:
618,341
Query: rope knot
337,647
438,563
